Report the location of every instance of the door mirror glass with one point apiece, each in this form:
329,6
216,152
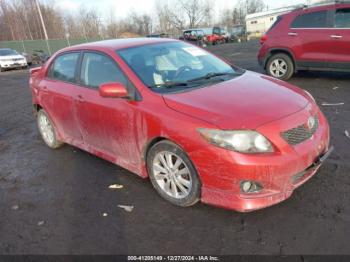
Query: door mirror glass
113,90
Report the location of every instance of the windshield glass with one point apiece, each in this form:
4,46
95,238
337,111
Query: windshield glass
7,52
176,64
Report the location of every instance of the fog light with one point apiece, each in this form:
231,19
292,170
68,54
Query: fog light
246,186
250,187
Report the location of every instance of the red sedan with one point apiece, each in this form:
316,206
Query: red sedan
199,128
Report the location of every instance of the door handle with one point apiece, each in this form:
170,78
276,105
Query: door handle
336,36
292,34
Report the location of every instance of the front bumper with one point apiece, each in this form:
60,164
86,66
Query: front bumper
10,65
252,202
279,173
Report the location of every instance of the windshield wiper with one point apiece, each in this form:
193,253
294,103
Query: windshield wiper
170,84
209,76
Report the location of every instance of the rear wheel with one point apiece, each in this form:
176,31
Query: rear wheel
47,130
173,175
280,66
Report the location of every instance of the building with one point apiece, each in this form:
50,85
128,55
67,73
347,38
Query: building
257,24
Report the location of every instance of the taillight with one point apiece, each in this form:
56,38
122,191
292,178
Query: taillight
263,39
35,70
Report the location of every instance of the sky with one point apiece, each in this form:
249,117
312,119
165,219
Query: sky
122,7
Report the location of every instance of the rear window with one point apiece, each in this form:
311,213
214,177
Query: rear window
311,20
342,18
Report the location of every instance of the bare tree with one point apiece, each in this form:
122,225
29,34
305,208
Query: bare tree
197,11
140,24
19,19
236,16
174,16
22,20
90,23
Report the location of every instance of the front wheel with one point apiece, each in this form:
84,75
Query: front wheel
173,175
47,130
280,66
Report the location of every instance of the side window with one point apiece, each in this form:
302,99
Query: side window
342,18
98,69
64,66
216,31
311,20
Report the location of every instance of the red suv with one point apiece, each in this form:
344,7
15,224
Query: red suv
313,38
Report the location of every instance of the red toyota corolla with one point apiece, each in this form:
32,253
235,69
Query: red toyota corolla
198,127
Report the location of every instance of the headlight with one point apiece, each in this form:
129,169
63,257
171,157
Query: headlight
244,141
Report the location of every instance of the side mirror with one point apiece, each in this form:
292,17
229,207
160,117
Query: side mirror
113,90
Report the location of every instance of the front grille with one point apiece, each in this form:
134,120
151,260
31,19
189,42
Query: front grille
300,134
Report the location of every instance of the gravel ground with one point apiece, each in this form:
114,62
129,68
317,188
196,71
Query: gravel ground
52,202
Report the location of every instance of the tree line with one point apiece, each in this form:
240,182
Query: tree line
20,20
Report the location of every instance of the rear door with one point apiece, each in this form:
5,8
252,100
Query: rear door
311,29
340,37
57,92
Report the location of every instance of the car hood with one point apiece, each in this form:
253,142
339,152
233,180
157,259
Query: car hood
11,57
245,102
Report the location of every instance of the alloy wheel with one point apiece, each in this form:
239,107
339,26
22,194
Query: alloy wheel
172,174
278,68
46,129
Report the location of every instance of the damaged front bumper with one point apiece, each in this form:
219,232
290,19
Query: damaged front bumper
255,201
277,174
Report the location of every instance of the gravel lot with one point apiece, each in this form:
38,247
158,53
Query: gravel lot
51,202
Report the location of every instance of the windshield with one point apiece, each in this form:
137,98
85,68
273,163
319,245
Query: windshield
7,52
176,65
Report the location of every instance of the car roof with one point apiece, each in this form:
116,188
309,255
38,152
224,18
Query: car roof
324,6
117,44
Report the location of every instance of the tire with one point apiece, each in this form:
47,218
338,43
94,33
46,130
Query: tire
163,178
280,66
2,69
47,130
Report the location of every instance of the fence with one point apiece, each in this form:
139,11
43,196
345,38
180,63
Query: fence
49,47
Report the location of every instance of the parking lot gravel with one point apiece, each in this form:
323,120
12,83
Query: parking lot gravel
59,201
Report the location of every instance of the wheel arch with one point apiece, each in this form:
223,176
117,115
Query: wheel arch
153,141
36,108
150,143
275,51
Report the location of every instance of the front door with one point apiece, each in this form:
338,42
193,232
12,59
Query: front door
107,124
311,31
